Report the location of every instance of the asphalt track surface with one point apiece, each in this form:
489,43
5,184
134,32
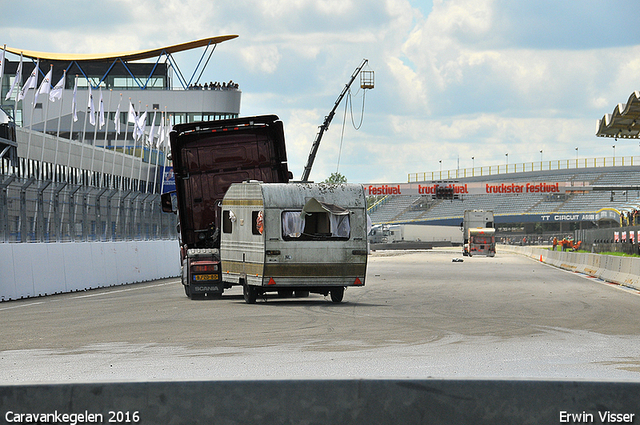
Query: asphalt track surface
420,315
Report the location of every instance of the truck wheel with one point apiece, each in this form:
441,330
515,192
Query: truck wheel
187,291
250,293
337,294
301,293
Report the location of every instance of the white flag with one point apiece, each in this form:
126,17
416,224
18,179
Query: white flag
153,129
132,117
141,123
74,104
101,110
161,132
15,80
31,83
45,86
116,118
56,92
92,112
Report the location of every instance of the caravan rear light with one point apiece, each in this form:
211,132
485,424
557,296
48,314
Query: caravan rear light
359,252
273,252
358,282
271,281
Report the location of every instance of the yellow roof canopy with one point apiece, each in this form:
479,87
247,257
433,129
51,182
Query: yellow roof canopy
624,122
124,56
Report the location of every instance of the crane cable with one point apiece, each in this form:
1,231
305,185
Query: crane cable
344,120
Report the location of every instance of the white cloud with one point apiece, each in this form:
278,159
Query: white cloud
261,58
454,77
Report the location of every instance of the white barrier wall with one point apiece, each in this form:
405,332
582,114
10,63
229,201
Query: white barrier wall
621,270
30,270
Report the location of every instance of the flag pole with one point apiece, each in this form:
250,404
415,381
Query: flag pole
160,140
17,81
33,106
151,146
116,123
165,143
74,118
4,54
106,133
135,140
64,76
46,115
84,137
144,126
55,155
124,145
95,134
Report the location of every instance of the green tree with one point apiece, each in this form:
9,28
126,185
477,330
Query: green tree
335,178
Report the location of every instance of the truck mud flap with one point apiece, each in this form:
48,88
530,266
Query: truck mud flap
201,289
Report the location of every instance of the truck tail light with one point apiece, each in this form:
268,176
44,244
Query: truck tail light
204,268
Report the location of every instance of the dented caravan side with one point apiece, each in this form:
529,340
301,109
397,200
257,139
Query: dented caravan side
294,238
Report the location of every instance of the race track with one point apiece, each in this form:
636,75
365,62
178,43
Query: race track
419,315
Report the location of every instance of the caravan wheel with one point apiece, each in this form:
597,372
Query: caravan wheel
337,294
250,293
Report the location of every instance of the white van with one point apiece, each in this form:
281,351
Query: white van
294,238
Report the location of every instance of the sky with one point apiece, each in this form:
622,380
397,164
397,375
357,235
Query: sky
493,80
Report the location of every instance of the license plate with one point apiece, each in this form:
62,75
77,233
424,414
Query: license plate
201,277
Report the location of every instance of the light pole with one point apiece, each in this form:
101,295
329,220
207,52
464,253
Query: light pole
507,156
614,155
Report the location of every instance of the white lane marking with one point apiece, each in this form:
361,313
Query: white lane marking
122,290
21,305
107,292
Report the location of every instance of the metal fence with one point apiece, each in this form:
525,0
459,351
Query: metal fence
565,164
46,210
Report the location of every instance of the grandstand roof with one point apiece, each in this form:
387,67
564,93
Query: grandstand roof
623,122
125,56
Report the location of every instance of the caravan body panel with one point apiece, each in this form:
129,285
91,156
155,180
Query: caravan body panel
328,248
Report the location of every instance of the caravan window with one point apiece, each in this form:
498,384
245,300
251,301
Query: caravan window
228,217
315,226
257,222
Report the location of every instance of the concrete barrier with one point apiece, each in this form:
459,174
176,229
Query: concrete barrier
31,270
342,402
621,270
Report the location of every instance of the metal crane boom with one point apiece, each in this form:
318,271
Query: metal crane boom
325,125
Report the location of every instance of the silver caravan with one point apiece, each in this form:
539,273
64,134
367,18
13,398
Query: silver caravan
294,238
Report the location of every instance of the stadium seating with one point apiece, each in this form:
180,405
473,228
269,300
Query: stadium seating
402,209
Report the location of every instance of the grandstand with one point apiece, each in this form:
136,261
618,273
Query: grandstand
588,208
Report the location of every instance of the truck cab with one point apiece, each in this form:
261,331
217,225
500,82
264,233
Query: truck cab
207,158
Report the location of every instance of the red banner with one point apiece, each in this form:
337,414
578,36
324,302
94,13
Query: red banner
475,188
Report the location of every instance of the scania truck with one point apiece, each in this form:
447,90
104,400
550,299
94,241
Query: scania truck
207,158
